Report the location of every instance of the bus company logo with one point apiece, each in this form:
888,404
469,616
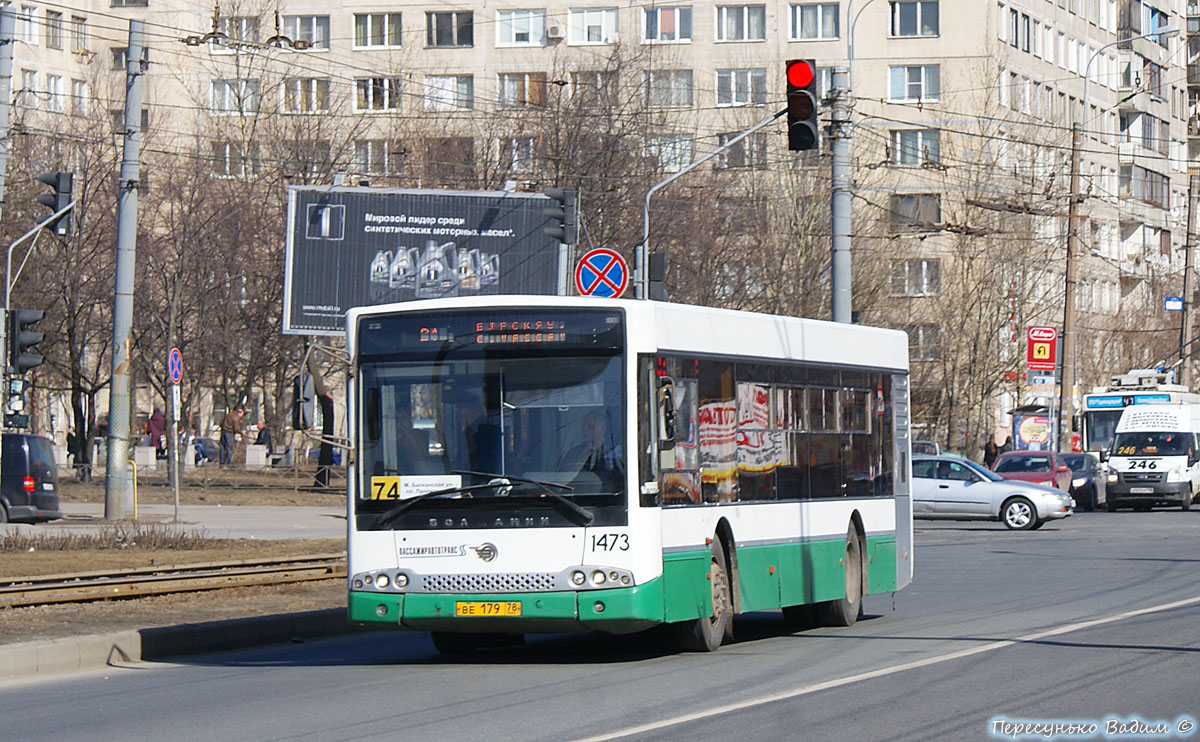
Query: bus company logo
486,552
431,551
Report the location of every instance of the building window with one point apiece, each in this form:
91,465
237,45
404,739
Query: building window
129,3
741,87
54,29
28,94
918,18
450,29
741,22
79,34
910,210
311,28
306,94
924,342
592,87
449,93
916,146
377,30
234,96
521,28
592,26
670,88
79,98
308,158
377,94
914,83
237,29
919,277
815,21
749,153
54,93
27,29
523,89
233,160
377,157
450,160
668,24
673,153
518,152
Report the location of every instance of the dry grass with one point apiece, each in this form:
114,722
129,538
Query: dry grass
122,535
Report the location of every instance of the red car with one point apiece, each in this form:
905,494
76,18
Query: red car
1039,467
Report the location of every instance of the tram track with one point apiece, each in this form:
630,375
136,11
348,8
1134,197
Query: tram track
167,579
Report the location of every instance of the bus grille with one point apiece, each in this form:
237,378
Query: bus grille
501,583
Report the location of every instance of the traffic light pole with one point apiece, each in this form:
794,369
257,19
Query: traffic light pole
118,490
840,204
641,282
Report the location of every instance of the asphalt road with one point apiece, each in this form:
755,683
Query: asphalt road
1091,620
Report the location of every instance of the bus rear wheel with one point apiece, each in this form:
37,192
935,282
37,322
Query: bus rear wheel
707,633
845,611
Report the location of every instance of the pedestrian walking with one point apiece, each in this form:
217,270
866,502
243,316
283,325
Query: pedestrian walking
990,451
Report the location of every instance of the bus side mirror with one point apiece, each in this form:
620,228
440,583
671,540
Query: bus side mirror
1104,454
372,414
667,427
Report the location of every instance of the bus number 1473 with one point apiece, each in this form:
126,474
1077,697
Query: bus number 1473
610,542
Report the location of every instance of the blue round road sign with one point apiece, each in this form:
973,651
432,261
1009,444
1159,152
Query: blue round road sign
601,272
175,365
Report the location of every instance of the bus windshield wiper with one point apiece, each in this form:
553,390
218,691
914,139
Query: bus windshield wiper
583,516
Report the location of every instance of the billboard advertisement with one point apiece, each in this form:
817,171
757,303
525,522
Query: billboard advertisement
351,247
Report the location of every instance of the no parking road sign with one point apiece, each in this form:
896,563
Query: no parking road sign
601,272
175,365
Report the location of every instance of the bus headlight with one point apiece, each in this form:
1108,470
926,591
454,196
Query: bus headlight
1175,475
1114,477
598,577
578,577
382,582
401,580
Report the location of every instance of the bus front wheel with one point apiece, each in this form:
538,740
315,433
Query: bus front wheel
845,611
707,633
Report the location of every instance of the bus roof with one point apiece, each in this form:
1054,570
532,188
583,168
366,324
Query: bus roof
662,326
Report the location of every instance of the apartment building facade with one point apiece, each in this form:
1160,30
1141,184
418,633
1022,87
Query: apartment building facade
962,129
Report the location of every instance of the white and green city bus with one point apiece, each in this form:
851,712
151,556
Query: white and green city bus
749,462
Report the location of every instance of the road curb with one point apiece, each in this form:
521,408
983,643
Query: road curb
92,652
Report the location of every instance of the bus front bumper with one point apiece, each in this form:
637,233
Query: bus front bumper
1126,493
616,611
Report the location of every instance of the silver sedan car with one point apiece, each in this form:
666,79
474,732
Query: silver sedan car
955,488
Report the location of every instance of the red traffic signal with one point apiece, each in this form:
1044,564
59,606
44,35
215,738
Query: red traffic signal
803,132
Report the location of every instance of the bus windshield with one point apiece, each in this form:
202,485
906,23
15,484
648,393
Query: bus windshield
1099,427
485,431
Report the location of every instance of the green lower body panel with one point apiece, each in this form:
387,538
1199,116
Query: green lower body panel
775,575
768,577
616,611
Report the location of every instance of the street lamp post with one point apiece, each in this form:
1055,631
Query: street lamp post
1074,249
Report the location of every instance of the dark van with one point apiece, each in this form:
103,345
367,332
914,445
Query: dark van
28,479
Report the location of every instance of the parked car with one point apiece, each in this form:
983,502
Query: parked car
28,479
206,449
1088,481
954,488
1039,467
927,448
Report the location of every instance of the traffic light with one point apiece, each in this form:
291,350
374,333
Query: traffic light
656,269
303,402
21,339
802,122
562,217
62,184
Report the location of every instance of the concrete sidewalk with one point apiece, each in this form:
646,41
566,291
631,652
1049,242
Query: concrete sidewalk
81,653
216,521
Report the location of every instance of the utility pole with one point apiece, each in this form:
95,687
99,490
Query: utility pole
1066,392
8,25
118,492
1189,280
840,206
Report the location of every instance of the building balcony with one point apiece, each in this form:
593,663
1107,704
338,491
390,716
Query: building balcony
1193,74
1135,211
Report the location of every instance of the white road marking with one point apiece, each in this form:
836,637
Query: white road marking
883,671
